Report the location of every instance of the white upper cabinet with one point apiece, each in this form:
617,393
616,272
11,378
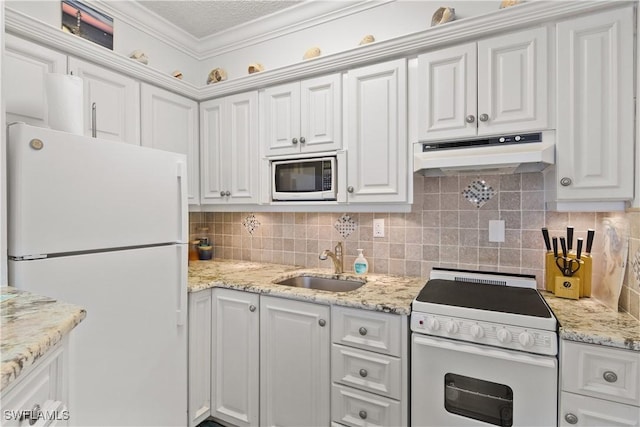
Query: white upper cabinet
170,123
376,130
595,108
24,66
495,86
117,99
303,117
229,149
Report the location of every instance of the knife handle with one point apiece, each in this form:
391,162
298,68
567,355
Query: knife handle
590,235
563,244
569,238
545,235
555,246
579,249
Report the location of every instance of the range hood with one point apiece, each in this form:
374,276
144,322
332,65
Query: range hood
531,152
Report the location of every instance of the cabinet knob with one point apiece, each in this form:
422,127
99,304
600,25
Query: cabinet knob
363,414
252,308
571,419
610,376
363,331
470,118
294,141
350,189
222,194
227,193
483,117
565,182
302,140
322,322
363,373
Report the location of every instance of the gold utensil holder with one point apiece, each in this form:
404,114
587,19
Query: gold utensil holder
567,287
551,271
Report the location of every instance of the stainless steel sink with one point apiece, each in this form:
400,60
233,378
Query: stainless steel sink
322,283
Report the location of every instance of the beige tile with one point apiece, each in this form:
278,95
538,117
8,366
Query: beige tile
397,251
532,181
449,236
449,219
512,219
634,224
556,220
380,250
450,201
397,234
397,267
532,258
312,246
509,257
413,268
413,235
300,245
413,252
366,233
431,236
634,304
396,220
488,256
532,239
532,220
431,185
380,266
300,231
510,182
431,219
533,200
431,253
469,255
449,254
430,202
288,245
512,239
468,219
425,268
483,240
510,201
469,237
449,184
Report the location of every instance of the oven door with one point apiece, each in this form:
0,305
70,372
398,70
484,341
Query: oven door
462,384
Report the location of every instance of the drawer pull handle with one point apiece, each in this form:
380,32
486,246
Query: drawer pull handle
571,419
363,331
363,414
322,322
363,373
610,377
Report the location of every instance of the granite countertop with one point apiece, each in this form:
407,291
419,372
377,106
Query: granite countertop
385,293
30,326
589,321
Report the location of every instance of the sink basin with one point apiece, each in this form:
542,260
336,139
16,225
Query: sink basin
322,283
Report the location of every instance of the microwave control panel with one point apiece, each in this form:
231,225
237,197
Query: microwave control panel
326,176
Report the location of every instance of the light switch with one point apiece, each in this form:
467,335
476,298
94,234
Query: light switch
496,231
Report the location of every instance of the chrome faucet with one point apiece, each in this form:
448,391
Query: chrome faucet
336,257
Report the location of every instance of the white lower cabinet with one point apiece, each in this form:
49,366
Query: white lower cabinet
199,356
294,363
369,368
599,385
236,357
40,394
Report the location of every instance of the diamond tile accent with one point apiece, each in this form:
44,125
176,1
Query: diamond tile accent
635,264
251,223
478,193
345,226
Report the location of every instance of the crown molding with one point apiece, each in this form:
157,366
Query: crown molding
510,19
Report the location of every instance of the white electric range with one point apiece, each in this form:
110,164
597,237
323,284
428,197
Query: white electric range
484,351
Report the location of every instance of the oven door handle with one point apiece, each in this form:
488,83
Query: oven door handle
512,356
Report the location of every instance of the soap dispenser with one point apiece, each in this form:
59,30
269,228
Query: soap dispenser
360,265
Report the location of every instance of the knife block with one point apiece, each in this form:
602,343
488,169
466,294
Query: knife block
567,287
551,271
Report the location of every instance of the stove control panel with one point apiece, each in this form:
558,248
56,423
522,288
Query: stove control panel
495,334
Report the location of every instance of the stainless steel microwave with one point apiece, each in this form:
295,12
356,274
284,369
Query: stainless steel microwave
304,179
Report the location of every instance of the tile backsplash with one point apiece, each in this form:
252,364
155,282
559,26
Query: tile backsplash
446,227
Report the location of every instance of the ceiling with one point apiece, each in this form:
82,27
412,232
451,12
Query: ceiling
203,18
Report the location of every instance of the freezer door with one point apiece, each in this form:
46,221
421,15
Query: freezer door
69,193
128,358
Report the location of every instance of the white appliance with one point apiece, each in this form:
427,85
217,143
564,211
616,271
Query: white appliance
517,153
304,179
483,352
104,225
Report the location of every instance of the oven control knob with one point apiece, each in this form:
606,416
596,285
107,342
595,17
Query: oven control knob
526,339
433,324
504,336
452,327
476,331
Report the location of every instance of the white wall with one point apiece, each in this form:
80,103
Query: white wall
3,167
387,21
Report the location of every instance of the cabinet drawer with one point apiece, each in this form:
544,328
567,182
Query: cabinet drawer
602,372
377,373
358,408
576,410
369,330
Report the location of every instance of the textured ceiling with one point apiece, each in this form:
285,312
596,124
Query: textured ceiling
206,17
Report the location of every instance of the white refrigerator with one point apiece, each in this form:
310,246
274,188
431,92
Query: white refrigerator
104,225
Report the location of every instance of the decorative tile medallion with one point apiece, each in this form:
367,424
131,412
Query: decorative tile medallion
345,226
251,223
635,264
478,193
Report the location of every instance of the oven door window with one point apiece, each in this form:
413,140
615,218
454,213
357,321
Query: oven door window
299,177
478,399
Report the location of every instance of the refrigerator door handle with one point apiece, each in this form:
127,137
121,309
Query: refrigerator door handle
184,203
181,306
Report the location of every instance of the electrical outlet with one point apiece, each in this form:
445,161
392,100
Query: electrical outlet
378,227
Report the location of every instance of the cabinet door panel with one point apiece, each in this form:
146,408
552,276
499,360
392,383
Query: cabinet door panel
236,357
321,113
281,114
170,123
447,93
595,412
595,106
199,356
211,150
241,140
294,363
377,133
117,99
25,65
512,82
